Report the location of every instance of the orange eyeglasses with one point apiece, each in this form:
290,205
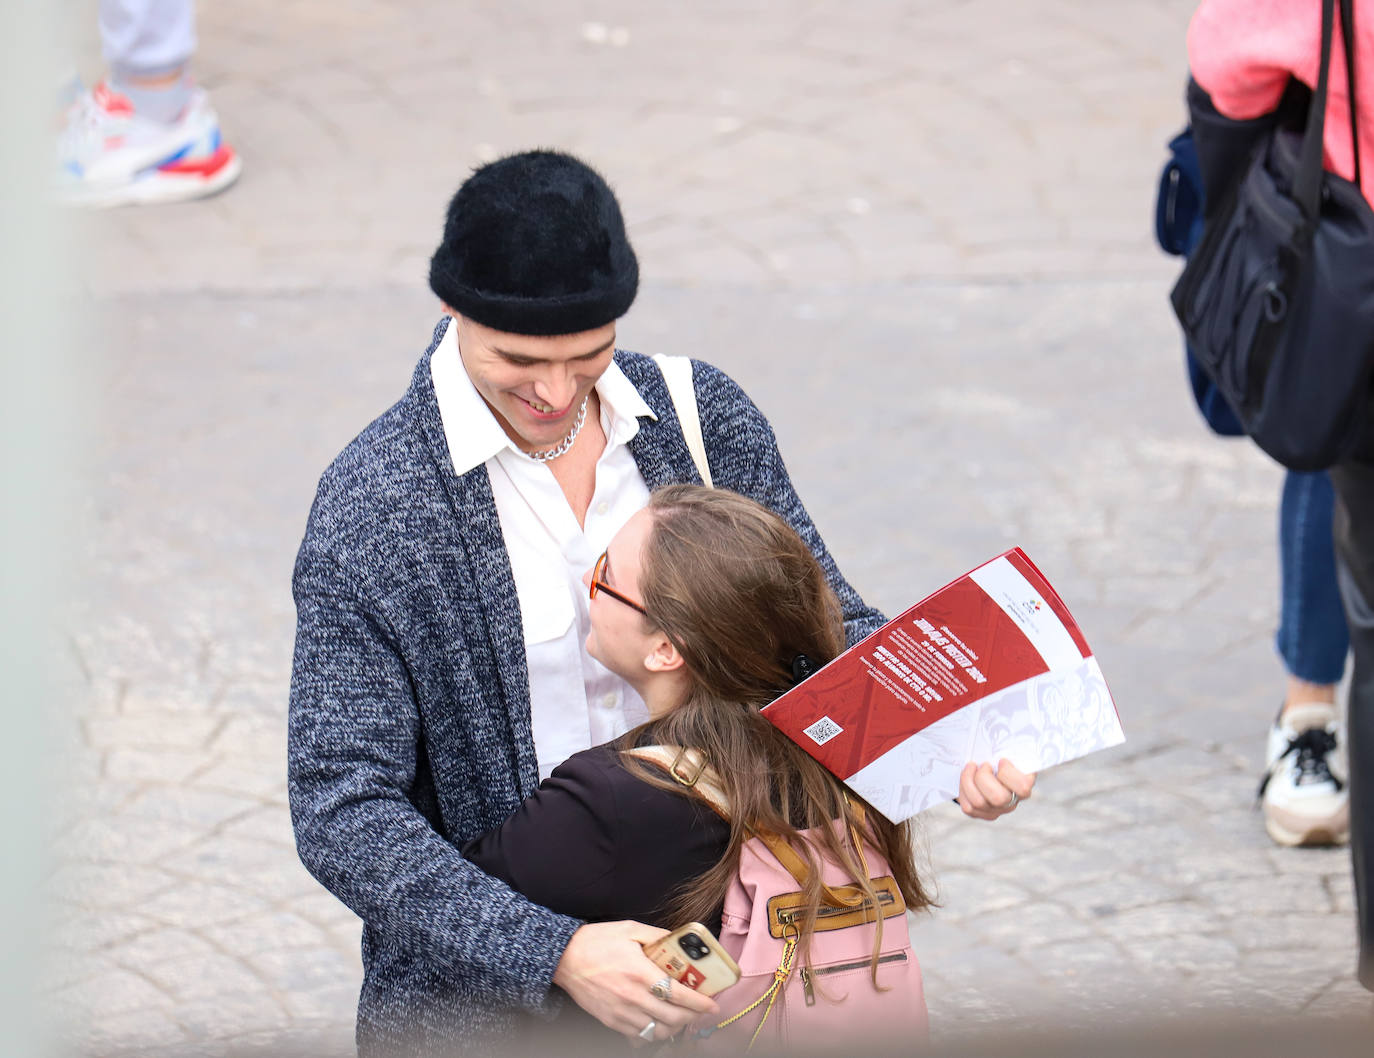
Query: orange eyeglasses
599,584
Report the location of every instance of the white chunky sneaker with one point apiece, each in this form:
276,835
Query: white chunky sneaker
109,155
1303,792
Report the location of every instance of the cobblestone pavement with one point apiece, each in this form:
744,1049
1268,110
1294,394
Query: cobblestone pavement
918,233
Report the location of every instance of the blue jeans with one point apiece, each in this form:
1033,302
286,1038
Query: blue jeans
1312,636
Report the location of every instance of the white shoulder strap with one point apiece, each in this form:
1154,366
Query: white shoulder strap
677,372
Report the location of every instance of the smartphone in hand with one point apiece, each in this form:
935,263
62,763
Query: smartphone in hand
692,956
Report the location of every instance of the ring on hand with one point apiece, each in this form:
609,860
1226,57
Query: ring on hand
647,1032
662,988
1015,797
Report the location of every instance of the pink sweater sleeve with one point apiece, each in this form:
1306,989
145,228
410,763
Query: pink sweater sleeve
1242,51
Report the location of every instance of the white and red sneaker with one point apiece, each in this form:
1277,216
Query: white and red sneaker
110,156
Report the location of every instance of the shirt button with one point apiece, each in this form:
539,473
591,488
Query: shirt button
608,700
602,507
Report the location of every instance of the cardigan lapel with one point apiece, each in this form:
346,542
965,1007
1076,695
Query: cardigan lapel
478,530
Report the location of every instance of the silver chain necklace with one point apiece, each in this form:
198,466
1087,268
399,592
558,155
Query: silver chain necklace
562,447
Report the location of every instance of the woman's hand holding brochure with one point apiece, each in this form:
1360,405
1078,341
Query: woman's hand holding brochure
988,793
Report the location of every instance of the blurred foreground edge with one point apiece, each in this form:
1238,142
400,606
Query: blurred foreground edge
1241,1035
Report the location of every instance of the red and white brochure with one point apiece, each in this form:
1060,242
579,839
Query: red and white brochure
990,666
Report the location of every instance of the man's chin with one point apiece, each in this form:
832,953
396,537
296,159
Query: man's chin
537,433
535,439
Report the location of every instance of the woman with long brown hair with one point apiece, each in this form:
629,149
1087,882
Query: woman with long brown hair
710,606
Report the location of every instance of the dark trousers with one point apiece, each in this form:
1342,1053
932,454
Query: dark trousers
1354,534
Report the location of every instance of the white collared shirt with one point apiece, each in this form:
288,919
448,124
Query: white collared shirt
575,701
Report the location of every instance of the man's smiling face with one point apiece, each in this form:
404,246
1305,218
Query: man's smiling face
534,385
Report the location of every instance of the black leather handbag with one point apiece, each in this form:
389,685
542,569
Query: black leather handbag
1277,301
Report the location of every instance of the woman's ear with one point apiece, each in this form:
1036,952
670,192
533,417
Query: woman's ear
663,656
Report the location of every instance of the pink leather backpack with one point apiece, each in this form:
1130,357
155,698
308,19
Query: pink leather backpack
830,1000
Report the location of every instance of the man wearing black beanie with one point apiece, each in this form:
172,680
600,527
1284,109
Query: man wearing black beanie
440,669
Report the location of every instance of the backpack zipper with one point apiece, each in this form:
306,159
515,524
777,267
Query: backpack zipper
808,972
787,918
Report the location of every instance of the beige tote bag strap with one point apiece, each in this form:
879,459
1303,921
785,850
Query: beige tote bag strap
677,372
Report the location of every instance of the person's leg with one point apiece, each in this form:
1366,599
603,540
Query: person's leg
147,45
1355,557
1304,795
147,36
1312,637
146,133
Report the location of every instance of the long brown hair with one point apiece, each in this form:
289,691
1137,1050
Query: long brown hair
741,595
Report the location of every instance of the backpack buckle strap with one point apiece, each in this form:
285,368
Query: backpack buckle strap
690,769
695,761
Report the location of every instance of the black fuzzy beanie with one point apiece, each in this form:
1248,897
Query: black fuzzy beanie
534,243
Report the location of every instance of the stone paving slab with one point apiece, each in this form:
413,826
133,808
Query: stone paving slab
917,233
767,142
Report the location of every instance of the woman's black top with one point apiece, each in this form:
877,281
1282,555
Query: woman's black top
598,844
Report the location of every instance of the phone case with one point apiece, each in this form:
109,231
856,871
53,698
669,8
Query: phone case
702,965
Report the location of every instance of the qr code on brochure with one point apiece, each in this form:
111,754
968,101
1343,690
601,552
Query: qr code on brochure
823,730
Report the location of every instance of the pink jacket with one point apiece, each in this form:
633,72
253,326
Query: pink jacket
1243,51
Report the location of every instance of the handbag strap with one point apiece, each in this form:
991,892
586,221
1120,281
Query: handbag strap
677,373
1348,39
1307,184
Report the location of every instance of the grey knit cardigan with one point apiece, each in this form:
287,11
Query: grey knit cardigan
410,712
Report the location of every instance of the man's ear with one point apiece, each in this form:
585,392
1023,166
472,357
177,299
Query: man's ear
663,656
